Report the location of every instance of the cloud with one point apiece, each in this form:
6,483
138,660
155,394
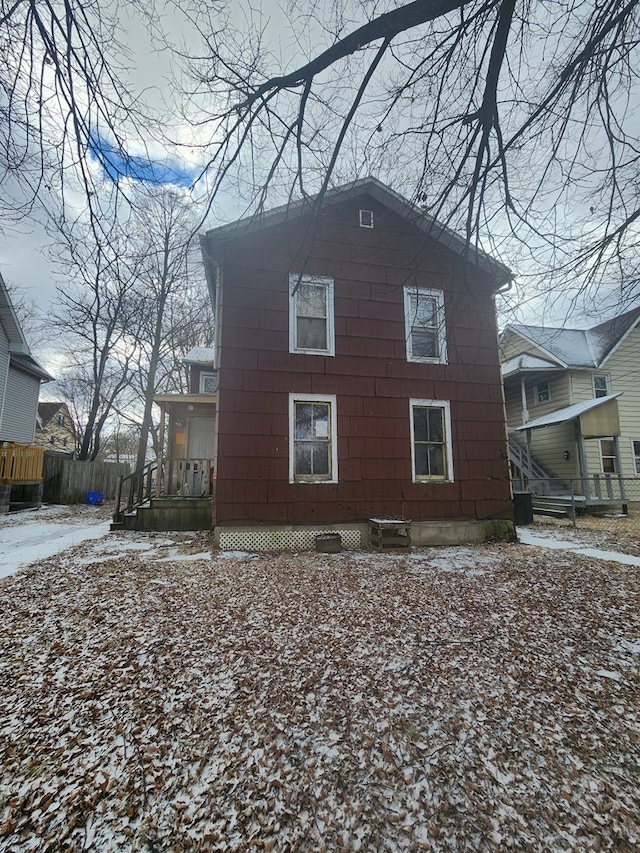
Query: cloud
117,164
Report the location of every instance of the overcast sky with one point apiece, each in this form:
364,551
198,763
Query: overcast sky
22,259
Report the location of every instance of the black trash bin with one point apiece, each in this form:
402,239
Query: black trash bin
522,508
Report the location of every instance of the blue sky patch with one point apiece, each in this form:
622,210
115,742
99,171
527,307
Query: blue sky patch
117,164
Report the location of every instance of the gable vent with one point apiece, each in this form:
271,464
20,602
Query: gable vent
366,218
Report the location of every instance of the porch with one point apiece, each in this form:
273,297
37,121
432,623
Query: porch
175,491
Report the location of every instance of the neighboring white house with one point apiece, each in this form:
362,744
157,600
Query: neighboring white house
573,400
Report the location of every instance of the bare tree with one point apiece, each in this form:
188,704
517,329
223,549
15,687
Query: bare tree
505,117
169,282
93,315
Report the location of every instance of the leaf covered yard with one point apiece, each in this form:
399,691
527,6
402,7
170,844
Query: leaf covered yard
156,697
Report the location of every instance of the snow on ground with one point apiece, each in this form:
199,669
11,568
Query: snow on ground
158,697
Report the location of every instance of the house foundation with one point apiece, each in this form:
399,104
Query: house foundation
355,536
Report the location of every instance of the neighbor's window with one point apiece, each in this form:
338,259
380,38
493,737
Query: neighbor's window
208,383
600,385
61,420
431,449
608,456
312,439
311,327
636,456
542,392
424,325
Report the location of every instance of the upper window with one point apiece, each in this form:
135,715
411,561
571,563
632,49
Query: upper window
61,419
542,392
600,385
424,325
311,328
208,383
431,449
636,456
313,456
366,218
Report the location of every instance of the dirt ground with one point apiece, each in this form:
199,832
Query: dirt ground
158,697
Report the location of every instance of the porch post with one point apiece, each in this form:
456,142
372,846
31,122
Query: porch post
161,454
582,460
523,397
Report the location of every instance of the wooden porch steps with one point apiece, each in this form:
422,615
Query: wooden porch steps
168,513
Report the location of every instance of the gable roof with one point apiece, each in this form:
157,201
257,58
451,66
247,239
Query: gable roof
587,348
215,238
9,321
19,352
47,411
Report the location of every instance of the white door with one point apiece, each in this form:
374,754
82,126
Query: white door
196,479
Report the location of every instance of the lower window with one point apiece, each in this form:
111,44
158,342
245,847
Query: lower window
636,455
312,439
431,449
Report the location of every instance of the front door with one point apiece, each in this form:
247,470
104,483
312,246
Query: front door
196,478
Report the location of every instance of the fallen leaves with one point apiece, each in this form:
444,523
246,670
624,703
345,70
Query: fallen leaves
451,699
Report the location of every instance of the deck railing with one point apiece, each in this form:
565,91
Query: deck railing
182,476
21,463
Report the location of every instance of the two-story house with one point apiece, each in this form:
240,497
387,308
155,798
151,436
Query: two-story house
55,429
358,375
573,406
20,379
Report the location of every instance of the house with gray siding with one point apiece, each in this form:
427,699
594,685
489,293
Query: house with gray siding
20,379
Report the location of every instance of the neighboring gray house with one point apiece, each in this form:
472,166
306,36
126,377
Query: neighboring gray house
20,378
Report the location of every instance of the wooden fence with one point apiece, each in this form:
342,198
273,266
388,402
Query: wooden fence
67,481
20,463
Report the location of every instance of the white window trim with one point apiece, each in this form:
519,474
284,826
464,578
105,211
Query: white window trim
633,457
333,428
446,407
536,396
294,281
205,375
438,295
593,383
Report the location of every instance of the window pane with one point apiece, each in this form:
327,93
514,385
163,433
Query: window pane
436,460
303,458
311,300
320,457
303,420
422,460
420,431
321,421
608,447
424,310
424,344
436,426
312,334
636,455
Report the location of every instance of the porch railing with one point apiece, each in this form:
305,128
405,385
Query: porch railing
21,463
594,489
182,476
